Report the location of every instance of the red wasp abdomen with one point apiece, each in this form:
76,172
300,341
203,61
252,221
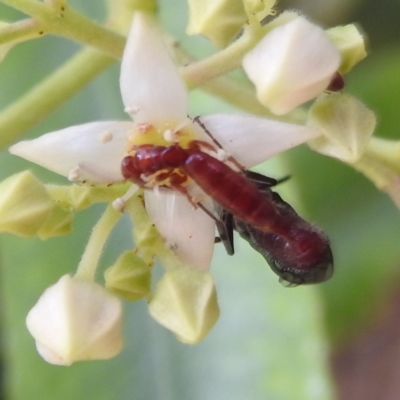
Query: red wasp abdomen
234,192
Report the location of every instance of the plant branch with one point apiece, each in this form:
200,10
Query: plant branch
21,30
64,21
100,233
50,93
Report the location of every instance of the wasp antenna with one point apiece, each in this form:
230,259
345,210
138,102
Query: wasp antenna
218,144
198,122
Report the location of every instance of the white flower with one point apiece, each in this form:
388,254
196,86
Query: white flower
292,64
76,320
155,96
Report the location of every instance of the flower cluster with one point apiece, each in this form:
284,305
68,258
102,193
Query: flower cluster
293,62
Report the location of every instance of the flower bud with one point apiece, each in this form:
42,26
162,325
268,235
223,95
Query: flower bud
58,223
80,196
346,125
76,320
258,7
185,302
24,204
218,20
129,277
292,64
350,42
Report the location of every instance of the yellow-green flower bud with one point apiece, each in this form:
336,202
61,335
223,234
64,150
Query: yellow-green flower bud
261,8
146,237
129,277
80,196
185,302
58,223
346,125
350,42
218,20
24,204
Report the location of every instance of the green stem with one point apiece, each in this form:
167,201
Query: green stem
144,230
29,7
51,93
65,21
56,3
380,163
243,97
386,151
21,30
100,233
79,28
222,62
80,197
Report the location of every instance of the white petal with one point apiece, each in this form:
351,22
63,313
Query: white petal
151,87
291,65
252,140
91,152
189,231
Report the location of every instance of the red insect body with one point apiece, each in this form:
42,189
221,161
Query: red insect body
234,192
230,189
295,249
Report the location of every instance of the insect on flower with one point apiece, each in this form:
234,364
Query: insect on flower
296,251
302,257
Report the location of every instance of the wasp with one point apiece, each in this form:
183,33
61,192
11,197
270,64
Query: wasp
313,265
296,250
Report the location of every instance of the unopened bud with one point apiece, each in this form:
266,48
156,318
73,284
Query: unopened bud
24,204
291,65
346,125
258,6
76,320
58,223
129,277
185,302
218,20
350,42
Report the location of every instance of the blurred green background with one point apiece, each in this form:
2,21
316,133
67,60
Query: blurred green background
337,340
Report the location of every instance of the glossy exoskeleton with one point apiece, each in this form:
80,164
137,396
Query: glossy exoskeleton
296,250
272,247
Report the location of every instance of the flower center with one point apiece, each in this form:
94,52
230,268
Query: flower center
164,134
157,154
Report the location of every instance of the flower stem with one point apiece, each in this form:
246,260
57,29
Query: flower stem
91,256
79,197
21,30
63,20
243,96
56,3
30,7
222,62
43,99
147,238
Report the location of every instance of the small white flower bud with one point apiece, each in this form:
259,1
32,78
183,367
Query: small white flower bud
292,64
76,320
